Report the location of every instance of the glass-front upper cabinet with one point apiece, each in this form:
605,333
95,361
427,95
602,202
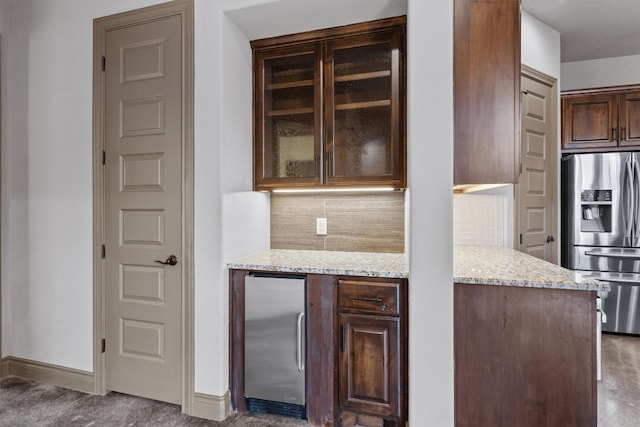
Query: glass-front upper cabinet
364,125
329,108
287,125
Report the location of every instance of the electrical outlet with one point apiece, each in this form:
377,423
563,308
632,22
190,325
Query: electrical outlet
321,226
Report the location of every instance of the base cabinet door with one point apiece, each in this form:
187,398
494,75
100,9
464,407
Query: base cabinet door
369,364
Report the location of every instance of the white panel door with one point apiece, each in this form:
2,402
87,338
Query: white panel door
143,224
537,196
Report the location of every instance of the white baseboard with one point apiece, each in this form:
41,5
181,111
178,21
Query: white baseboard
203,405
211,407
4,367
74,379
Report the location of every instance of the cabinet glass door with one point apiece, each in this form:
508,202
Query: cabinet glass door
363,105
288,121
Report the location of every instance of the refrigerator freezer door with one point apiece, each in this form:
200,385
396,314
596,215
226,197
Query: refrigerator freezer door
604,259
622,303
274,339
597,197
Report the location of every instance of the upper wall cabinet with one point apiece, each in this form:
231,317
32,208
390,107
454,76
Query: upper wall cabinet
329,108
601,120
486,91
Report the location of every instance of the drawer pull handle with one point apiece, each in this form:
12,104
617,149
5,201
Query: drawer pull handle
383,307
371,299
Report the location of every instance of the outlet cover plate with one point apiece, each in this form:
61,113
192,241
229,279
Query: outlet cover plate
321,226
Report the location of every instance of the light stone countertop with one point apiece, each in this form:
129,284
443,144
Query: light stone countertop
482,265
390,265
493,265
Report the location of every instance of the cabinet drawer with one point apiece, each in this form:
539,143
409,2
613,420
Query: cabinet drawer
372,297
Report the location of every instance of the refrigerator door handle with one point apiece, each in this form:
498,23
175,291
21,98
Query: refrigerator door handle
630,278
299,346
618,280
617,254
628,205
636,198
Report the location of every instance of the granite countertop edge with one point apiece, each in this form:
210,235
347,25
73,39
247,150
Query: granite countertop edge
339,263
499,266
479,265
587,286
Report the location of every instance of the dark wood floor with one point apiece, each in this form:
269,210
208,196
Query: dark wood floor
25,403
29,404
619,390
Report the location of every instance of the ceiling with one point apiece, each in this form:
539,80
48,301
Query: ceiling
591,29
294,16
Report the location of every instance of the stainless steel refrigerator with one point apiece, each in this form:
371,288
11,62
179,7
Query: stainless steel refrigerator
274,377
601,230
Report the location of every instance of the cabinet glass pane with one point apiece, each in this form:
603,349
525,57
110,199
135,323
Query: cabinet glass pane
362,116
289,147
289,119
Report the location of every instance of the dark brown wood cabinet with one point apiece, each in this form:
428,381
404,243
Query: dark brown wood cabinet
524,356
356,351
486,91
288,103
601,120
373,352
369,364
321,349
329,107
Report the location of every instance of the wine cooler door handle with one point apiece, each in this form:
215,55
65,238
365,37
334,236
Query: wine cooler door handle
300,351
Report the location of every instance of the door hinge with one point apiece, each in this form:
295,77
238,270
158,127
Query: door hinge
104,157
104,252
104,345
104,64
520,166
521,239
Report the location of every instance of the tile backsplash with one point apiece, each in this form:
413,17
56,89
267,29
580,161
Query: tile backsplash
479,219
363,222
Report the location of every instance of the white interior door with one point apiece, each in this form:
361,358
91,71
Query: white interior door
537,198
143,223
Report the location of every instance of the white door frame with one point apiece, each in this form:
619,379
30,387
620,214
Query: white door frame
553,82
0,240
101,26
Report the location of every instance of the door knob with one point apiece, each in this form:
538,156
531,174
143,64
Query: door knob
550,239
172,260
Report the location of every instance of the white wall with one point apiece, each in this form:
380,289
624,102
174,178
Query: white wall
46,178
210,303
430,107
245,223
623,70
540,46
